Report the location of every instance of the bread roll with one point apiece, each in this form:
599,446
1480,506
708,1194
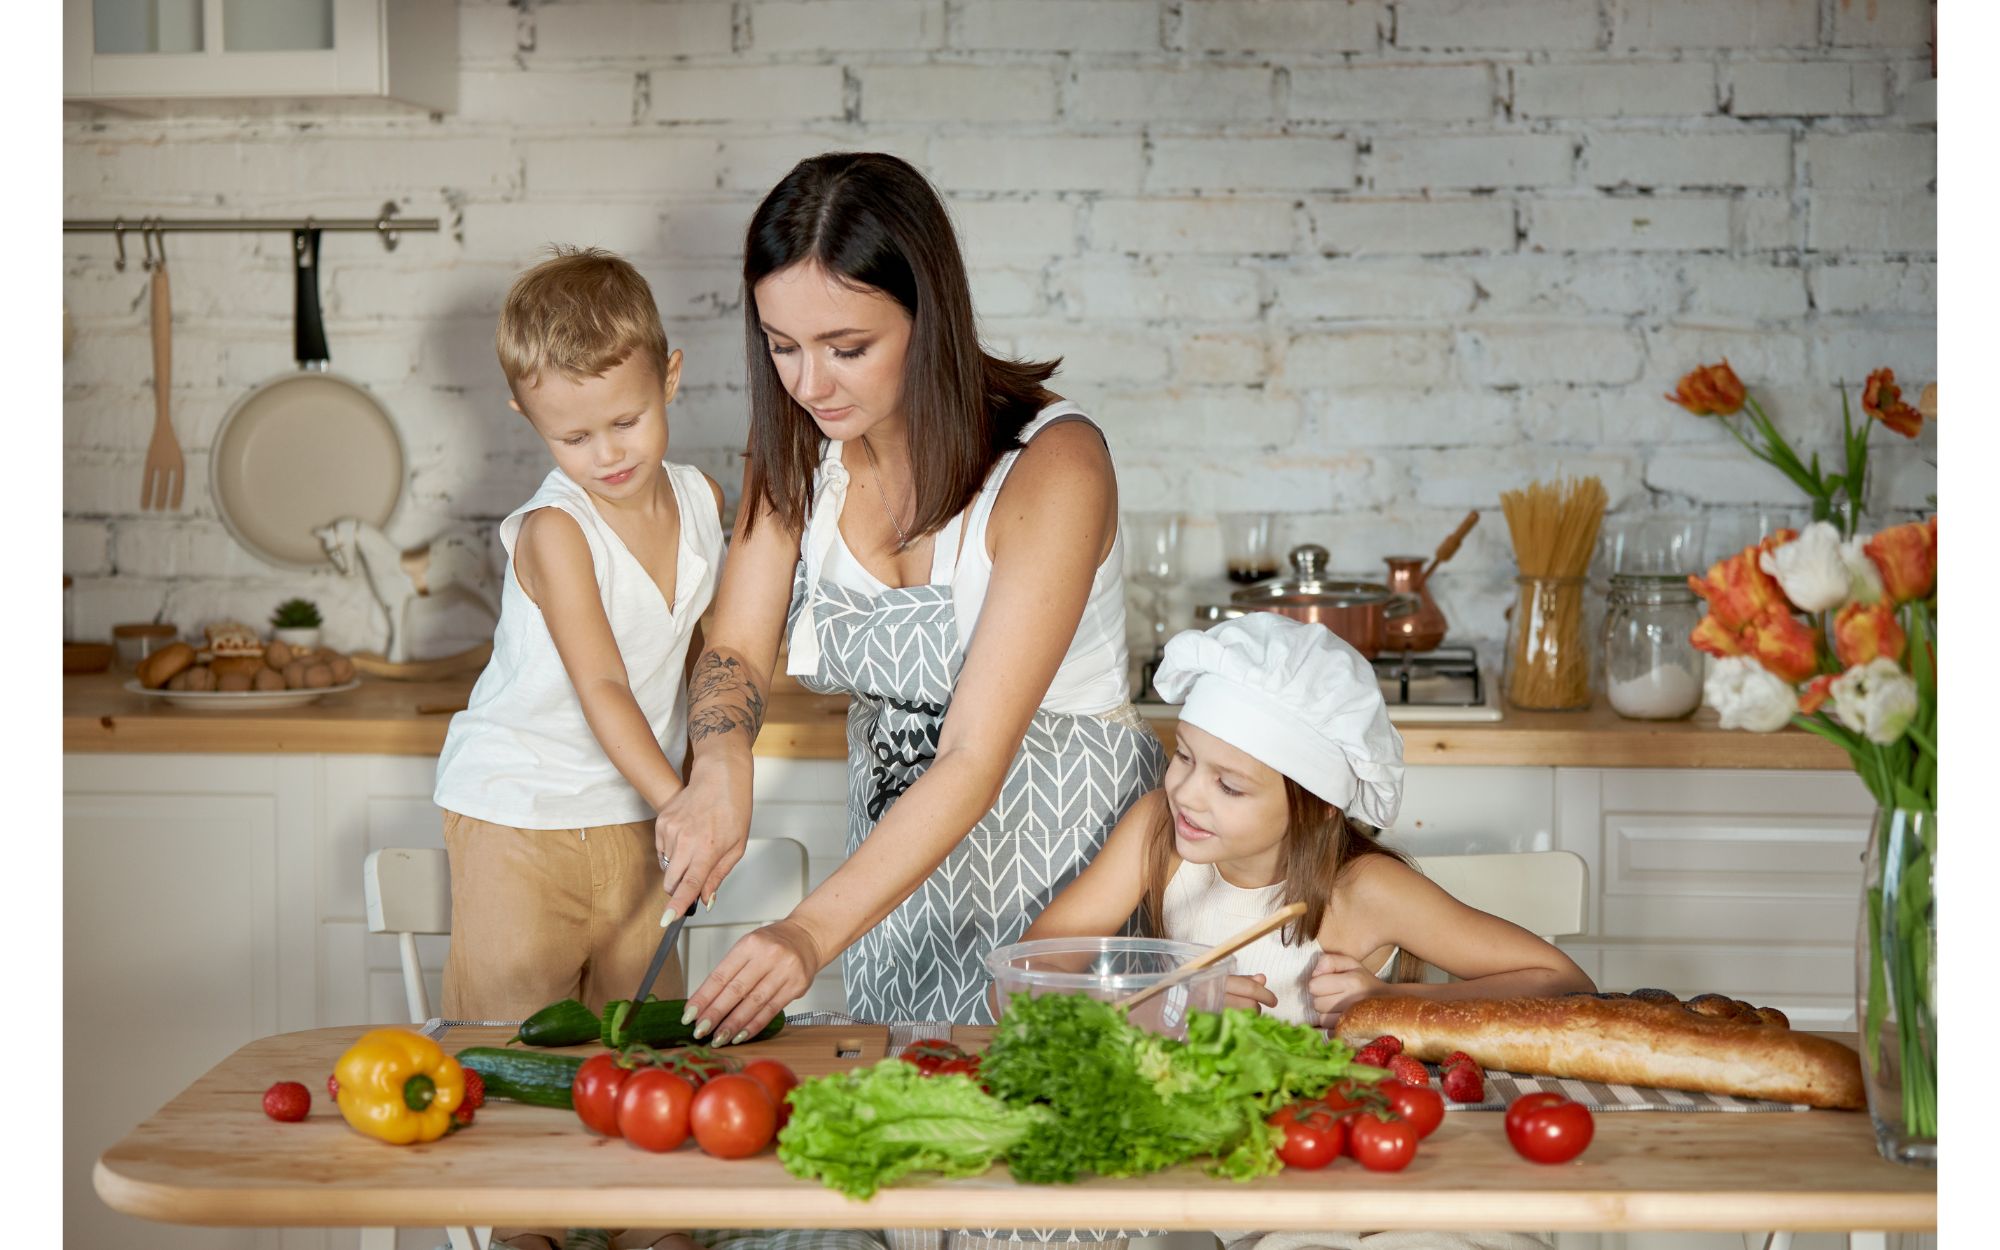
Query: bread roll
1624,1041
277,655
160,667
235,682
247,666
269,679
343,670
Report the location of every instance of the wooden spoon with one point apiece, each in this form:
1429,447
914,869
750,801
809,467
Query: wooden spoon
1215,954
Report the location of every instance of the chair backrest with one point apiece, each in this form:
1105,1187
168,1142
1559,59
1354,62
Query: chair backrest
409,892
764,886
1542,891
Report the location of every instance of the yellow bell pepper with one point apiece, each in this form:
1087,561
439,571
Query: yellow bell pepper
399,1086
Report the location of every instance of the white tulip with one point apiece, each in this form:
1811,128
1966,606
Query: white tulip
1878,700
1864,580
1750,696
1809,568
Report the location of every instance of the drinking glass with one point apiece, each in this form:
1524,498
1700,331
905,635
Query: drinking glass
1153,547
1246,546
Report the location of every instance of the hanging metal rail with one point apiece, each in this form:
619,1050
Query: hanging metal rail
385,226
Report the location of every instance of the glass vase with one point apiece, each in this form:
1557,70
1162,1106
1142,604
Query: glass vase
1547,663
1896,984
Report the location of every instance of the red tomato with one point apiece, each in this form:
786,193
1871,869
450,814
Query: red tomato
1549,1128
930,1054
594,1092
1345,1095
733,1117
653,1109
1422,1106
1382,1145
777,1080
696,1065
1314,1134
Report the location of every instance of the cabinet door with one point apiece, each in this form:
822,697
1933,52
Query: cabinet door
214,48
185,880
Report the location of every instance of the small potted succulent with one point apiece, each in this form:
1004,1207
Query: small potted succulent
296,623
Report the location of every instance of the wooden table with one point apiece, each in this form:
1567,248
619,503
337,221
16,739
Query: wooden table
211,1157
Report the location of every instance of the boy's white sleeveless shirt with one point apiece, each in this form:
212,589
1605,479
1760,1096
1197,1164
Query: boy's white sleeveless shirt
521,753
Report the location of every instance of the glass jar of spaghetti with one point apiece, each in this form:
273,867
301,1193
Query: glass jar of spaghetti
1547,663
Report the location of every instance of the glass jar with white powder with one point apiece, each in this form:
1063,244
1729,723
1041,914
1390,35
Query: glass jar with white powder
1651,670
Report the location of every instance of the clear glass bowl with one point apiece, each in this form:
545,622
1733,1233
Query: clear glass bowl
1109,969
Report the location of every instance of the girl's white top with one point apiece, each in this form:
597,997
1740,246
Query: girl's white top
521,753
1200,906
1092,678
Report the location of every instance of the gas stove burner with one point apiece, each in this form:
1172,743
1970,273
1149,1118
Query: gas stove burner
1442,677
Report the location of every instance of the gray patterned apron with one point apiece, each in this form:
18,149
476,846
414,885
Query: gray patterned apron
897,655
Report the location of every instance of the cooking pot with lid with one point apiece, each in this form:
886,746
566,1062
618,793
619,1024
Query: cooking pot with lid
1359,612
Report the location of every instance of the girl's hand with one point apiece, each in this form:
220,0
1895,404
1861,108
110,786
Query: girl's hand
702,830
1248,992
761,975
1338,982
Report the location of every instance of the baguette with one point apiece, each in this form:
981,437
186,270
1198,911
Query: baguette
1623,1041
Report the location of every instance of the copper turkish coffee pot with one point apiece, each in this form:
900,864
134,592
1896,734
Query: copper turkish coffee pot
1423,629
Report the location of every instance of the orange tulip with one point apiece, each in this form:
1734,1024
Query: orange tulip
1906,556
1882,399
1710,391
1783,644
1710,636
1738,588
1817,693
1864,631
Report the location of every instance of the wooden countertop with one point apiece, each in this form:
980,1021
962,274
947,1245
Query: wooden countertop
389,718
211,1157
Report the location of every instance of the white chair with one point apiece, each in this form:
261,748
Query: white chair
1545,892
764,886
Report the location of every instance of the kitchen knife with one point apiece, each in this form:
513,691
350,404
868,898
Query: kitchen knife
660,955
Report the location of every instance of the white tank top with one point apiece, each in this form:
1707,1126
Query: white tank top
1092,678
1201,906
521,753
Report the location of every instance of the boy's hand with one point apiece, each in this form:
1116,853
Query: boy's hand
1248,992
701,832
1338,982
760,976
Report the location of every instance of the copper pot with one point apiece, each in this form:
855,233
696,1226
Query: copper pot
1358,612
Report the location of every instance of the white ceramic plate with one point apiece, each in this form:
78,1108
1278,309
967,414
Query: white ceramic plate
299,452
239,700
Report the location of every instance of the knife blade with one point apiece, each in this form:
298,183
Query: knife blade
660,955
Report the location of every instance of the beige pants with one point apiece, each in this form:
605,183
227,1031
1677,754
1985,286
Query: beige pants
540,915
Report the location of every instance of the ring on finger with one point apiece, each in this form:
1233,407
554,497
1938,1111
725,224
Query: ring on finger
664,861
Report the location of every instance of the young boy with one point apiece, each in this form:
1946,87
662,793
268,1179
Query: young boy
552,777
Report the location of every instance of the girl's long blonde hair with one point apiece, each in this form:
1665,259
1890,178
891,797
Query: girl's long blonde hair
1321,841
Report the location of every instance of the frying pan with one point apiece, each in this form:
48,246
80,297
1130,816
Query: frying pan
306,447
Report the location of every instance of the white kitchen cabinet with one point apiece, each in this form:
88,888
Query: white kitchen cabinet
135,50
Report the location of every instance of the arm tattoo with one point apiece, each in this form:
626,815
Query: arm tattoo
722,698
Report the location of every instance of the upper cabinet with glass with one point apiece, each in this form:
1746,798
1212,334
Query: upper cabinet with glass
131,50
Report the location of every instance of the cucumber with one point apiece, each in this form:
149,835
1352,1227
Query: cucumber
567,1023
523,1075
657,1022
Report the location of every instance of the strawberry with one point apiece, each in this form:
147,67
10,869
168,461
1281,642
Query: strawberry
1464,1082
332,1086
287,1101
1391,1044
475,1092
1409,1071
1452,1060
1372,1056
463,1116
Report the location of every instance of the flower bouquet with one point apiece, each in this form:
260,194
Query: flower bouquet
1771,610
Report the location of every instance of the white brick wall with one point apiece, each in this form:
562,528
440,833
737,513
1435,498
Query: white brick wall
1365,262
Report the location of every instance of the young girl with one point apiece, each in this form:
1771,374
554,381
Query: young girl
1285,770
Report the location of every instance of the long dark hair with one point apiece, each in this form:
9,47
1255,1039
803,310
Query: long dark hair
1321,841
873,222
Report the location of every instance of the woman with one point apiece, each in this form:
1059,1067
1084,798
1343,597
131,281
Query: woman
935,534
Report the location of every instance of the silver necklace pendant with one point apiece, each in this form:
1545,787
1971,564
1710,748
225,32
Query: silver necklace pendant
882,496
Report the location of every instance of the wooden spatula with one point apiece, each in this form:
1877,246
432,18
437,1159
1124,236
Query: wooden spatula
166,471
1214,954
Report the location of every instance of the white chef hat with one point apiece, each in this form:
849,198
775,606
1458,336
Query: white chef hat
1298,698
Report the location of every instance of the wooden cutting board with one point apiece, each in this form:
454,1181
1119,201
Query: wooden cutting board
807,1049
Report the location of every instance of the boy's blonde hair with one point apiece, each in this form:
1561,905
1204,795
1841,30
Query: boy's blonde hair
577,314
